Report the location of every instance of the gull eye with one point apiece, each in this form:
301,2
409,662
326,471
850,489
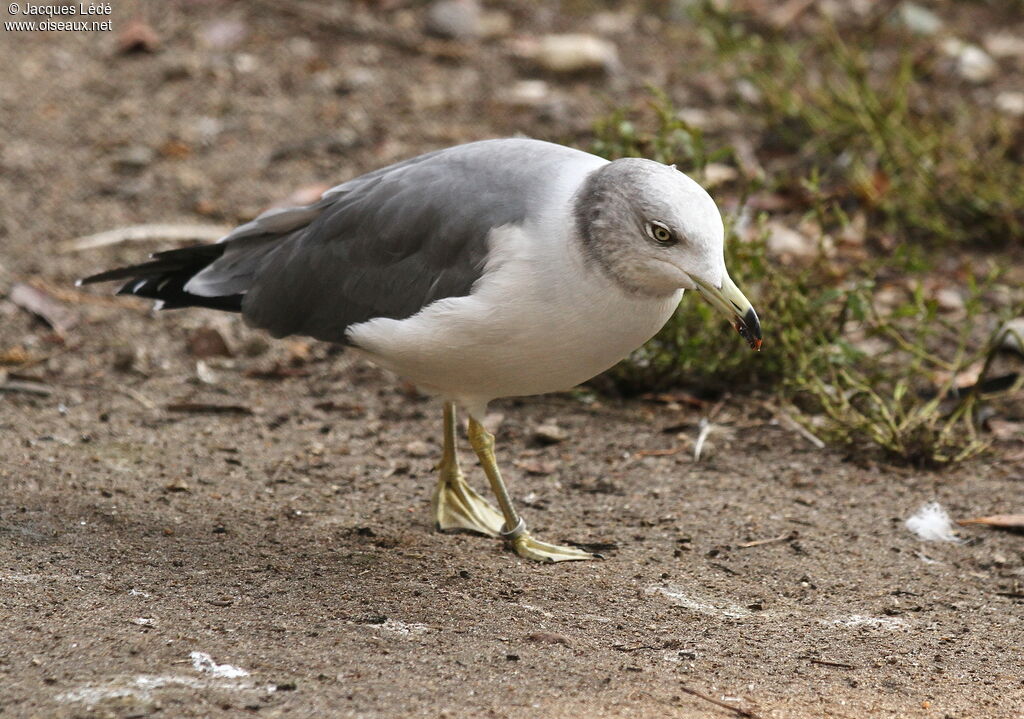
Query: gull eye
660,233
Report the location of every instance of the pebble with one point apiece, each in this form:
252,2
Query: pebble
550,433
205,342
949,300
919,19
716,173
136,35
972,63
526,93
548,638
223,34
205,373
354,78
1004,44
495,23
454,19
784,241
492,422
574,53
135,157
606,22
1011,335
418,448
1010,102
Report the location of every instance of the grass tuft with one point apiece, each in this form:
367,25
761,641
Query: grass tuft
857,347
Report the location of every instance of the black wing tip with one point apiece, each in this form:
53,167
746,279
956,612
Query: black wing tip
164,277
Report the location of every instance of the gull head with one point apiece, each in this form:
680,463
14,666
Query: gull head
654,231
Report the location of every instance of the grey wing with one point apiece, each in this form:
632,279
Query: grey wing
385,244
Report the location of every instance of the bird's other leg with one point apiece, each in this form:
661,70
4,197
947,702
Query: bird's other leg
514,530
456,505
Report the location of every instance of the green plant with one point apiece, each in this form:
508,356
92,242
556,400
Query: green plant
855,372
931,165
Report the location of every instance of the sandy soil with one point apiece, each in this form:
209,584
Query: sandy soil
149,554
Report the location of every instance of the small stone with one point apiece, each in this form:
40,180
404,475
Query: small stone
526,93
207,342
354,78
716,173
205,373
495,23
134,158
454,19
548,638
126,358
918,19
855,232
1010,102
418,448
786,242
949,300
573,53
255,346
1011,335
606,22
696,117
223,34
1004,45
748,91
550,433
492,421
178,485
246,63
972,63
136,35
975,65
1005,430
534,466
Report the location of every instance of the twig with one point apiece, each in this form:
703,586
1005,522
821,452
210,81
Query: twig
698,446
626,648
659,452
26,387
785,418
824,663
739,711
788,536
137,396
140,233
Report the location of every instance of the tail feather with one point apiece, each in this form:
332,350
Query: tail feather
165,276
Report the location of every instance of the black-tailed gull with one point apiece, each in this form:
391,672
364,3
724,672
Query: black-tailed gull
492,269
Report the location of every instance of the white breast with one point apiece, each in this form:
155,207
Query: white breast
538,320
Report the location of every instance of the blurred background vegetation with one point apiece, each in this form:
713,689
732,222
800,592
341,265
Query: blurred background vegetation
883,289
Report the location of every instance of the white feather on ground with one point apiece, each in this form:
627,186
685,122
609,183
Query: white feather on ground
931,523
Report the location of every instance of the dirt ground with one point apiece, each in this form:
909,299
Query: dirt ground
150,552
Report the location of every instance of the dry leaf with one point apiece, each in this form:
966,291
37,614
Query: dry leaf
41,304
208,342
16,355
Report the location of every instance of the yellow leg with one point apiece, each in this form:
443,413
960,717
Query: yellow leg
457,506
514,530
